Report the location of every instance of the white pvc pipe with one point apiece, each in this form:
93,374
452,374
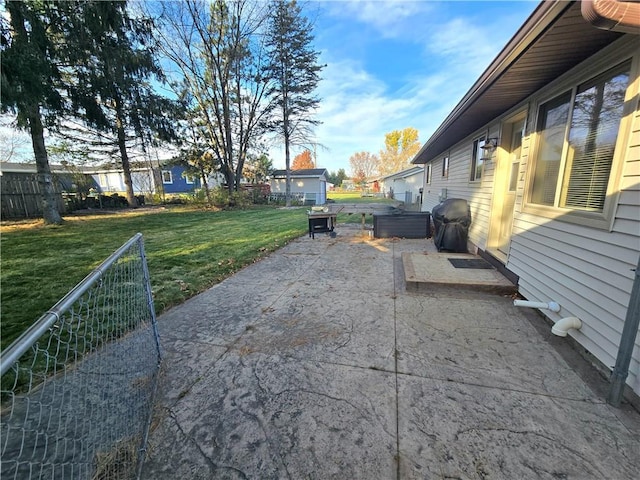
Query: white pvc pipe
553,306
561,327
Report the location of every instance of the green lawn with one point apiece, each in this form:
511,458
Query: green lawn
356,197
188,251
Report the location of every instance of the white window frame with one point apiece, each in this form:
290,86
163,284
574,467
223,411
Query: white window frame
165,181
603,219
445,167
477,159
428,173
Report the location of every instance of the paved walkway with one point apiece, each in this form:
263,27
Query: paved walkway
316,363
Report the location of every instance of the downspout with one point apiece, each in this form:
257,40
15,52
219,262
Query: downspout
627,342
562,326
615,15
553,306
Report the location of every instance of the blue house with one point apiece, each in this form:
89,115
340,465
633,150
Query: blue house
175,181
111,180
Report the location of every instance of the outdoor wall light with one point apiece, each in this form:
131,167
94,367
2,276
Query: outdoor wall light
490,144
488,147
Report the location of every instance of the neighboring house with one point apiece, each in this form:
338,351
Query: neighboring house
172,178
406,184
311,182
545,147
111,180
348,185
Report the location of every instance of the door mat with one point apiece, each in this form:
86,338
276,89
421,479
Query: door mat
476,263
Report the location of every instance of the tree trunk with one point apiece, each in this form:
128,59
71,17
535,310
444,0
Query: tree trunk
287,152
50,213
122,145
205,185
287,163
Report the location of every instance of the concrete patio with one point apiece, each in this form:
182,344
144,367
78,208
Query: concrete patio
317,363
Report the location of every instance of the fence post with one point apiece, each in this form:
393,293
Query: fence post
142,451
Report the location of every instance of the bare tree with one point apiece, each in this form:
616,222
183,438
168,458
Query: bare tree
220,58
364,164
14,144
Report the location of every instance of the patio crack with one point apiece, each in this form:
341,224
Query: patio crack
395,358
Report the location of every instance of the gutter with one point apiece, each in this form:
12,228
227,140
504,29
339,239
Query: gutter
614,15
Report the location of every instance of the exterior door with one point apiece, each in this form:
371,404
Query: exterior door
509,194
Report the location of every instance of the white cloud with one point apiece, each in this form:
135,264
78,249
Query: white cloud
357,109
390,18
456,42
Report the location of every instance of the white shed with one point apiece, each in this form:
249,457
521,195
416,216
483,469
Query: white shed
310,184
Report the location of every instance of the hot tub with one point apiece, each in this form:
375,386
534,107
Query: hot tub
402,225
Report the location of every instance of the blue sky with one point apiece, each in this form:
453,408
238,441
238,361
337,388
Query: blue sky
392,64
396,64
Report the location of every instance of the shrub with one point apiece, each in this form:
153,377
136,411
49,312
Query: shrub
221,198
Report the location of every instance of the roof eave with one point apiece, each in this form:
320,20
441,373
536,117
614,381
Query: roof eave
538,21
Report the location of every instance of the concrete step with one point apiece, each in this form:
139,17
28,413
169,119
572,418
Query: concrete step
425,272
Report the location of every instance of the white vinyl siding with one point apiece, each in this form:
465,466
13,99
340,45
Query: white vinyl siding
587,270
584,267
457,184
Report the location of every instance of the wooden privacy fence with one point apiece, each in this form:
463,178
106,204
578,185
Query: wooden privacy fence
21,197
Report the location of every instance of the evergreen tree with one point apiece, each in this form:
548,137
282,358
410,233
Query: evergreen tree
258,168
113,65
294,70
30,78
337,177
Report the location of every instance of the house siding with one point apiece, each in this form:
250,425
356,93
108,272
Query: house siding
179,182
403,182
587,270
478,193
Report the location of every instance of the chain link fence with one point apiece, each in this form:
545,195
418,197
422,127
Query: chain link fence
77,387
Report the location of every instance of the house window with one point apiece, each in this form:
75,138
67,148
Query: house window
427,173
445,167
577,135
167,177
477,160
189,179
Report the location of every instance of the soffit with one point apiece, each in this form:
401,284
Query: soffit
567,40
